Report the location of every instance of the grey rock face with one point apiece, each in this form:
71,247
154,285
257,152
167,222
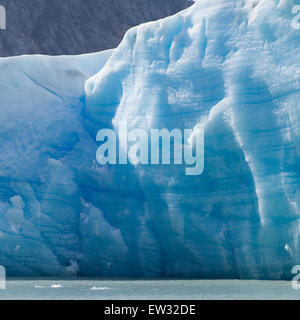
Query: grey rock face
76,26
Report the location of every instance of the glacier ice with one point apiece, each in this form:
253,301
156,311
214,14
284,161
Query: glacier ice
231,66
41,110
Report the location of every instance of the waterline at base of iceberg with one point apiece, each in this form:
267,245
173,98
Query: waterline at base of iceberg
148,290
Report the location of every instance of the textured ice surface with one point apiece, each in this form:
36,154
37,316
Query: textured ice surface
41,115
232,66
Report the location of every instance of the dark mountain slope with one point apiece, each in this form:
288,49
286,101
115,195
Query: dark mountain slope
76,26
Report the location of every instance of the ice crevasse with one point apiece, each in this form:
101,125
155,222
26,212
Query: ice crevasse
230,66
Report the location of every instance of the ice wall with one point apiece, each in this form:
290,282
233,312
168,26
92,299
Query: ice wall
231,66
41,112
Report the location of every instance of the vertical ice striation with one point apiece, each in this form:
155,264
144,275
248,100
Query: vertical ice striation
232,66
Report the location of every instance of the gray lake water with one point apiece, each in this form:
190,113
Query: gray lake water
148,290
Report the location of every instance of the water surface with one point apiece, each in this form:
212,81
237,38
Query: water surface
149,290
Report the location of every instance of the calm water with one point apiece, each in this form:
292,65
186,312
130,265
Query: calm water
158,289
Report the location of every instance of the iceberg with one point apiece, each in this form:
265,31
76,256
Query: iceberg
230,66
42,105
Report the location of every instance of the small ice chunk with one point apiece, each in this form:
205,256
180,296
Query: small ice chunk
288,249
17,202
73,267
15,217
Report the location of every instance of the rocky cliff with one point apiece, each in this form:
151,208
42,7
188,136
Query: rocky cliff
75,26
